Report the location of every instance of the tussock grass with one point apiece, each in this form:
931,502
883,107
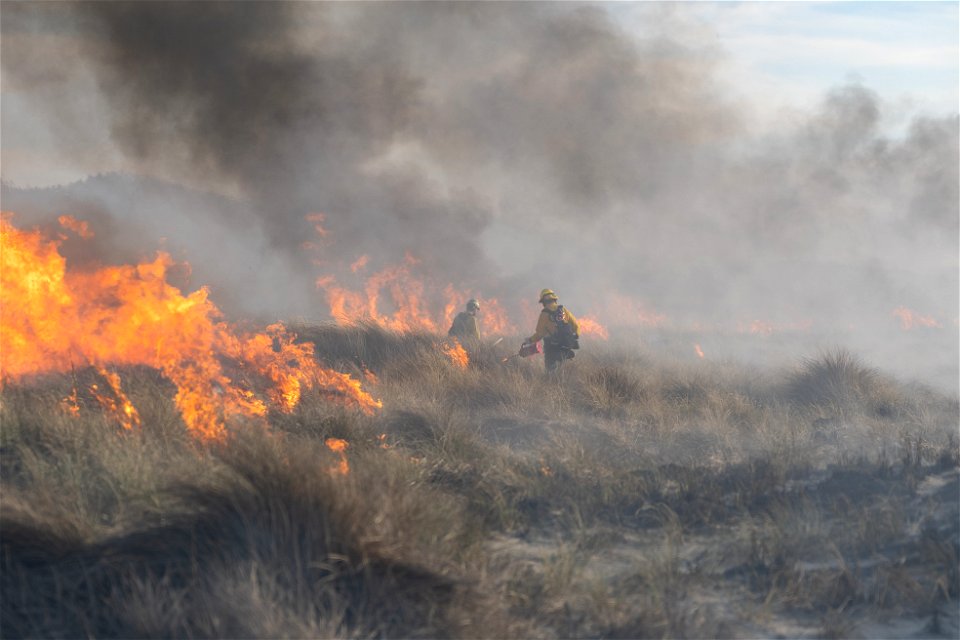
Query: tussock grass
839,382
609,500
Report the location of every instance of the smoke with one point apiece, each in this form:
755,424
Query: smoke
509,146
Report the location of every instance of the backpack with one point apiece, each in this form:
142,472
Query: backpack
563,336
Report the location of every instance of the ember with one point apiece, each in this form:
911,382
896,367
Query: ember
339,446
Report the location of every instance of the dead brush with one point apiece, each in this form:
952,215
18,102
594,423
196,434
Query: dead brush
727,408
87,465
837,381
259,538
942,551
381,564
893,588
364,344
685,394
611,391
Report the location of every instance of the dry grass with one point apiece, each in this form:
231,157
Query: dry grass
617,499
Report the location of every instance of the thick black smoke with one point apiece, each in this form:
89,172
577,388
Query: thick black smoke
509,146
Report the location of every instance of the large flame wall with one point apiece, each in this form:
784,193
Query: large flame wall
54,319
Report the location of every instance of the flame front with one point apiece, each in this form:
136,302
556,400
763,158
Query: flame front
79,227
910,319
405,297
457,354
398,300
591,327
53,318
116,404
340,447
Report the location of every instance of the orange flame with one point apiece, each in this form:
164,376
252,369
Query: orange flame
370,376
910,319
79,227
129,315
590,327
71,404
457,354
339,446
359,263
492,316
699,351
117,405
405,296
766,329
396,299
317,219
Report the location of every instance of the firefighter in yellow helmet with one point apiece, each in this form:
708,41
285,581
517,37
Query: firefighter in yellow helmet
558,329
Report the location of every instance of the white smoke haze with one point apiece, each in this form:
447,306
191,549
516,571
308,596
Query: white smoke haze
509,147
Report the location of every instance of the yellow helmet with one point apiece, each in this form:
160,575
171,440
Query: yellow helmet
547,294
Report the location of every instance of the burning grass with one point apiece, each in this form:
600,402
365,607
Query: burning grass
633,495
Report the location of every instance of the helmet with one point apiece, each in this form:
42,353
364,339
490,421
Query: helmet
472,303
547,294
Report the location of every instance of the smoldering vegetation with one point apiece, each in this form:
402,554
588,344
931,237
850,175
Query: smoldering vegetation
503,145
637,494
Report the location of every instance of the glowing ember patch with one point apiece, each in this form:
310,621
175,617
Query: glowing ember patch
698,350
340,447
590,327
766,329
116,404
359,264
317,219
910,319
79,227
758,327
71,404
126,315
457,354
545,469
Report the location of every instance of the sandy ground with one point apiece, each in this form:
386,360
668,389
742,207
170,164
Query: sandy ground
705,573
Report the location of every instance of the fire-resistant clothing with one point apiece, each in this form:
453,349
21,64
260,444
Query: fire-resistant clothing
546,326
465,325
556,348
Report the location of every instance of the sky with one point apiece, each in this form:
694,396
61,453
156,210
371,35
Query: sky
780,56
795,163
785,53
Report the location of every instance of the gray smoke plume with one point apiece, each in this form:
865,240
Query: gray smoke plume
509,146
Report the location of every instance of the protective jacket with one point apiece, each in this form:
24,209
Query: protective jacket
465,325
554,326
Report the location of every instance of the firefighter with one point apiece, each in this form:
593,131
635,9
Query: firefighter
558,329
465,325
